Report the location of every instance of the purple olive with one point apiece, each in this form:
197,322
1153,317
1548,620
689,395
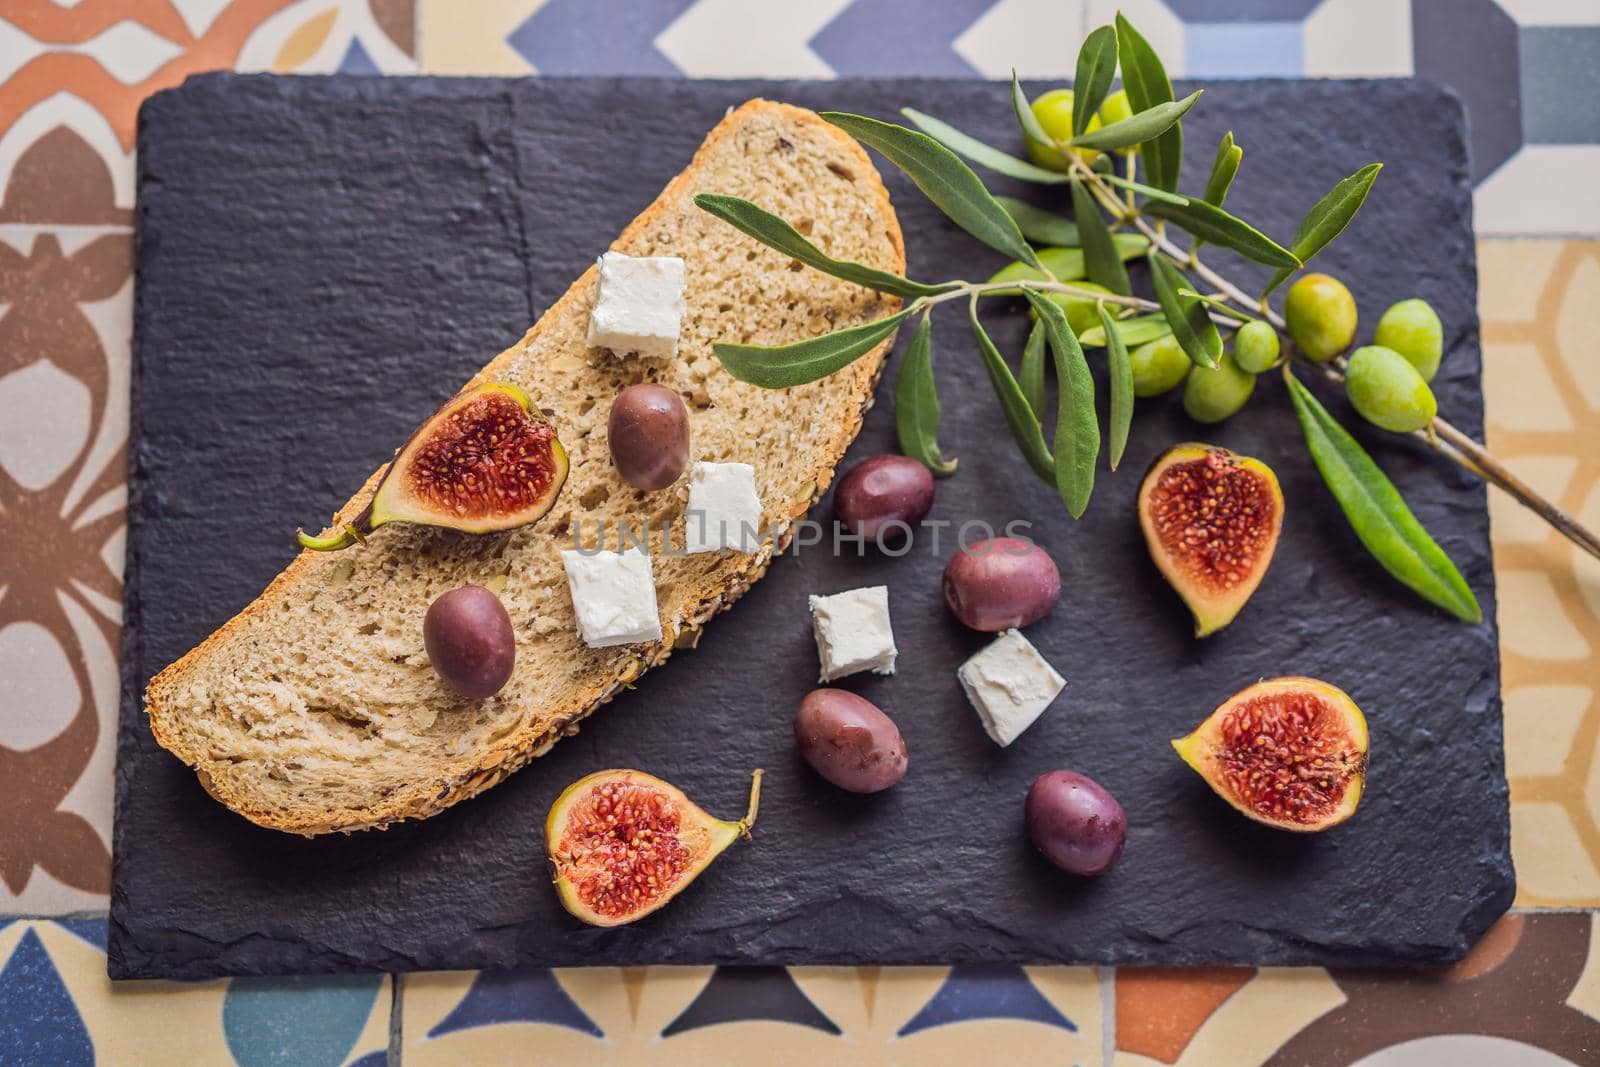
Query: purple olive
849,741
1001,583
649,433
884,490
1075,823
468,637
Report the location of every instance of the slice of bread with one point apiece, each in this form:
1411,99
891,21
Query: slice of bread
316,709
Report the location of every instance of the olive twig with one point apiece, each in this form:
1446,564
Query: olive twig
982,289
1439,435
1451,442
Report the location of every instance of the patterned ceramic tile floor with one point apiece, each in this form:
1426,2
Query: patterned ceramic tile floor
72,75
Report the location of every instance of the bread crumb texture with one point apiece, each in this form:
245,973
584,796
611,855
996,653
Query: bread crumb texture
316,708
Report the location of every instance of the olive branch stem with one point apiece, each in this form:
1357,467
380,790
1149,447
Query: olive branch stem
1440,434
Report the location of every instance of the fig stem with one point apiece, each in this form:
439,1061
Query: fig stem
344,537
749,819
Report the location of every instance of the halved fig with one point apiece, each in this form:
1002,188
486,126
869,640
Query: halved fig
1211,518
487,460
622,843
1288,752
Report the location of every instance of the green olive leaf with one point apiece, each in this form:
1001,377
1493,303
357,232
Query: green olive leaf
1220,228
1028,120
1038,225
774,232
1223,169
1120,372
1031,377
982,154
1222,306
1147,125
1097,65
1134,331
943,178
1020,416
1190,321
1377,512
1144,190
1100,255
1328,219
1077,437
916,404
1144,78
780,366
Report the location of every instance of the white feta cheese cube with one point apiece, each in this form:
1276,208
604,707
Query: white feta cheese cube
614,594
724,510
639,305
853,632
1010,684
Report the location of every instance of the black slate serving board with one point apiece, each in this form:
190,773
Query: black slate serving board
321,261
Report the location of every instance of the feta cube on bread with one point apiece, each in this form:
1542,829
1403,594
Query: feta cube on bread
638,305
614,596
724,510
316,708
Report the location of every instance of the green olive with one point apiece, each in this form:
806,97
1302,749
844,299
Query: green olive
1412,329
1387,390
1054,112
1321,316
1158,366
1214,395
1115,109
1255,347
1065,263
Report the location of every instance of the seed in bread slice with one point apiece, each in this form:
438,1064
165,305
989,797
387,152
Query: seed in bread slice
315,709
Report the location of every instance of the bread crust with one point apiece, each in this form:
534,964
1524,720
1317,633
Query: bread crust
715,594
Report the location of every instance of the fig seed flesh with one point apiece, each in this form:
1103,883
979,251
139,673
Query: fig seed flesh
1211,519
1288,752
622,843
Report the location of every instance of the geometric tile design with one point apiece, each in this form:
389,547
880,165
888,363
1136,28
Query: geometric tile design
854,43
528,994
736,994
1244,50
1560,83
986,991
1471,46
1358,39
597,36
58,1007
1540,303
843,1015
73,75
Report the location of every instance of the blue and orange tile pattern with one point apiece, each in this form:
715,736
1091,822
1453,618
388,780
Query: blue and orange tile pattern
72,75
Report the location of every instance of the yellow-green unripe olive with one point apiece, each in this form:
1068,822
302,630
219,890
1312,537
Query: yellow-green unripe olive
1412,329
1158,366
1115,109
1065,263
1387,390
1054,112
1213,395
1321,316
1255,347
1081,310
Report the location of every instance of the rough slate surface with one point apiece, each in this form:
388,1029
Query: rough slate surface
321,261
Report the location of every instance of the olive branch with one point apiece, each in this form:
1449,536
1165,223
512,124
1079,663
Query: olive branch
1194,313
